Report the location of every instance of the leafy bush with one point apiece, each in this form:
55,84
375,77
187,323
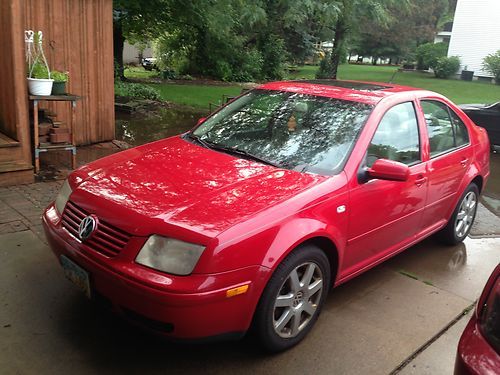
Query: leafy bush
274,56
136,90
168,74
325,67
491,64
445,67
428,54
39,71
59,76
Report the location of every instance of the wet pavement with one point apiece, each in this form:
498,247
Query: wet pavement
372,324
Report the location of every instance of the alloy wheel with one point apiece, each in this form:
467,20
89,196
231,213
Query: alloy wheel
465,214
297,300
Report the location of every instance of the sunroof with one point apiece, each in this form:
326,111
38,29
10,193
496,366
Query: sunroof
346,84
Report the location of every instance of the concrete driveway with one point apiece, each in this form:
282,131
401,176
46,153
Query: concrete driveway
373,324
404,316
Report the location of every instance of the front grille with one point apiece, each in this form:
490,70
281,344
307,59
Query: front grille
107,239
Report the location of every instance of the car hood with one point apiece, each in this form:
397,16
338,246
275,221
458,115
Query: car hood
176,183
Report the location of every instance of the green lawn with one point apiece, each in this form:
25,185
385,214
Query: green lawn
200,95
139,72
195,95
458,91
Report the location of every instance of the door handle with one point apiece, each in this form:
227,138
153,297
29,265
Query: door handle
464,162
420,180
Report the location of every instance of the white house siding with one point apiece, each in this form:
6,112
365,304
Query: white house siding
476,33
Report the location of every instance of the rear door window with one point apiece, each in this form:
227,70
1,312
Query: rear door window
445,129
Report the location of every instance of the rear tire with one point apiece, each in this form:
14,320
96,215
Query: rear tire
461,220
292,299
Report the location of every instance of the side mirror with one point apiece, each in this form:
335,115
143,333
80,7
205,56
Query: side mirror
200,120
385,169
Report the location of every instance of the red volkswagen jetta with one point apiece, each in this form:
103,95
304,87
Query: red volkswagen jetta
251,217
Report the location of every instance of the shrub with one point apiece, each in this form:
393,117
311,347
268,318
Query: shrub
59,76
491,64
428,54
325,67
136,90
445,67
39,71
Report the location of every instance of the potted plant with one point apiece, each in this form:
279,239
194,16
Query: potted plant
60,79
39,80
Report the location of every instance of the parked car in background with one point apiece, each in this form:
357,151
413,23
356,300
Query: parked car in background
479,346
250,218
149,63
487,116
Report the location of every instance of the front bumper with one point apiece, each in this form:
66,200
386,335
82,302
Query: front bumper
181,307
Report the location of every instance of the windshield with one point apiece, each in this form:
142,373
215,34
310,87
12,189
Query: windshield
289,130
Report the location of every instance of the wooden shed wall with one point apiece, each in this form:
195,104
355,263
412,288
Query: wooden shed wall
14,120
78,38
13,81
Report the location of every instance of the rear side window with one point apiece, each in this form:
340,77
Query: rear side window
446,130
397,136
461,134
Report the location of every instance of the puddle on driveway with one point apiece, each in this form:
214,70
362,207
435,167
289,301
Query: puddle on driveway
491,194
143,127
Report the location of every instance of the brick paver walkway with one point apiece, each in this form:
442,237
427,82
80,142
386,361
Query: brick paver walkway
21,206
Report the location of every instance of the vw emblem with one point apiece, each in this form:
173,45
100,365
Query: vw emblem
87,227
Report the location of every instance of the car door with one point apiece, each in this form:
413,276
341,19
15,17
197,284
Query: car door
385,215
450,155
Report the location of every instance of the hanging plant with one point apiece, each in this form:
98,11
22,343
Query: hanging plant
39,77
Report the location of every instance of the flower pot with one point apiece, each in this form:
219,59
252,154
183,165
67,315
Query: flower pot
40,86
59,88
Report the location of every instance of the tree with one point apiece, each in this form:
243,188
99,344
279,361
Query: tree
350,12
407,28
139,19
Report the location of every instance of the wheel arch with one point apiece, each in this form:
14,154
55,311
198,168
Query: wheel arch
329,248
479,181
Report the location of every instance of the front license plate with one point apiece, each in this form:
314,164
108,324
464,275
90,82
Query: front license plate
76,274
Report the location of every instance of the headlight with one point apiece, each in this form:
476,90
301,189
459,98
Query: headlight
169,255
62,197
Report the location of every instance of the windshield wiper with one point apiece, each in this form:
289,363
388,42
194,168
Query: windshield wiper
245,154
230,150
198,140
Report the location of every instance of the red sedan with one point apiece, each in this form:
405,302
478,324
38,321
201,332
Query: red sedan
479,346
250,218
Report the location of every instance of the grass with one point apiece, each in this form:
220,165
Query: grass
458,91
200,95
195,95
139,72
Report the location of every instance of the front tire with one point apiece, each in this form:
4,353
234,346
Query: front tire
293,298
461,221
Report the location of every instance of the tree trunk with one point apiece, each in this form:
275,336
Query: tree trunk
118,43
340,31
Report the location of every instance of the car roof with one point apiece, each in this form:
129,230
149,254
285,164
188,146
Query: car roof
358,91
